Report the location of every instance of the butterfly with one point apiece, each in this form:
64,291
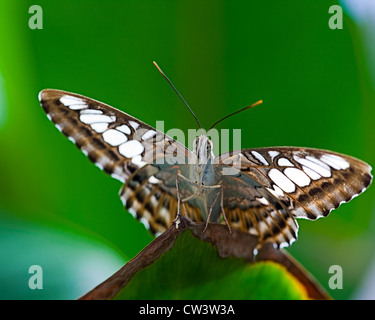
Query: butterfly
260,191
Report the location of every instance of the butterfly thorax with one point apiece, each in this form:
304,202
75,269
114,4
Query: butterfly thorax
202,188
203,169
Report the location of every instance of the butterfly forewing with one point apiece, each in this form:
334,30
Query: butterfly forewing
112,139
290,183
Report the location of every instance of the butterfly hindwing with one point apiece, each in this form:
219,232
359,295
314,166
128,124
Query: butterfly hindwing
153,201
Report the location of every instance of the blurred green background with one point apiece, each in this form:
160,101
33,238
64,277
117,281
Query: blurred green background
59,211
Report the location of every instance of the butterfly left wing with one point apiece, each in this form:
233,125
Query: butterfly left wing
115,141
126,148
275,185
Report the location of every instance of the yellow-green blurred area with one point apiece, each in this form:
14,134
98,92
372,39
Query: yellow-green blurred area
59,211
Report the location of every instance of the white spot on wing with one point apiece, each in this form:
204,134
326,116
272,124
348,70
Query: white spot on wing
116,176
134,124
263,200
114,137
145,222
297,176
91,111
164,213
318,162
132,212
149,134
131,148
124,128
73,102
99,165
276,191
263,227
273,154
137,160
284,162
311,173
78,106
99,126
93,118
314,209
300,213
281,180
153,180
259,157
68,100
126,194
330,162
335,162
314,166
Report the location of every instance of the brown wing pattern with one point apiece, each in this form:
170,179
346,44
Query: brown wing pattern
288,183
124,147
112,139
155,205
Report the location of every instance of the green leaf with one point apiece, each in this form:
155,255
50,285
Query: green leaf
191,262
192,269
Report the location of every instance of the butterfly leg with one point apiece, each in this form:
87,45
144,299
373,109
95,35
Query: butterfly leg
210,211
198,187
179,215
220,193
192,196
222,210
177,219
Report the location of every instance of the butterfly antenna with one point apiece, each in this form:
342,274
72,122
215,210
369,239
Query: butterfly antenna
170,83
238,111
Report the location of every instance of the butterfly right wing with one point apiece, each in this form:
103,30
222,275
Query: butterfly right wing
275,185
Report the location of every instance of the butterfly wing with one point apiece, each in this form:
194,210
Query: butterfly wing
150,196
115,141
275,185
127,149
